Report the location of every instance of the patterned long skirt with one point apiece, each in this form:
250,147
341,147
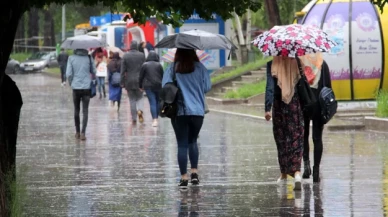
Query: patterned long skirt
288,131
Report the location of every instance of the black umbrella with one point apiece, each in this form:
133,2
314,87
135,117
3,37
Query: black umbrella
196,39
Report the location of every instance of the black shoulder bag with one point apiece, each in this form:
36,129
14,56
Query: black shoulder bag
306,95
169,98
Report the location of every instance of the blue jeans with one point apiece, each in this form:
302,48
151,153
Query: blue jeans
101,84
153,98
187,129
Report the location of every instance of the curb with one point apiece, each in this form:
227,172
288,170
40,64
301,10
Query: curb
329,127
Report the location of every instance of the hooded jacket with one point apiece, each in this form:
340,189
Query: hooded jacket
131,66
151,73
79,69
114,65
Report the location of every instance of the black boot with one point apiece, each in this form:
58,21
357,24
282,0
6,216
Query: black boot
307,170
316,174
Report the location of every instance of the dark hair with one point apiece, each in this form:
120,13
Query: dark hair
185,60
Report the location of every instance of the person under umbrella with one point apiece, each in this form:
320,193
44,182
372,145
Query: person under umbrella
193,81
79,70
286,44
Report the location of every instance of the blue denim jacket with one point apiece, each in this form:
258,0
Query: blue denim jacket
193,87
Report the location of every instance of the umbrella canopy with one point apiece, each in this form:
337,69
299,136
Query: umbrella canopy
293,40
170,56
116,50
82,42
196,39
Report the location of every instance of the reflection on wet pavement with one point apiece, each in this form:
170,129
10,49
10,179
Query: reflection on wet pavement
131,170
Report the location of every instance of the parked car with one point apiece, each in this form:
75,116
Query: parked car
13,66
39,61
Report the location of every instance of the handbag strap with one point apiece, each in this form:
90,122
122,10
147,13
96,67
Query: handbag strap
301,73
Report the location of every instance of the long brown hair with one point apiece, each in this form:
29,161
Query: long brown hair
185,60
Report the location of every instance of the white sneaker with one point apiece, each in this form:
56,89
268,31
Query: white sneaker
281,181
155,123
298,182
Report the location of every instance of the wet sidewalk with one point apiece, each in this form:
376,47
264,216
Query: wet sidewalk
127,170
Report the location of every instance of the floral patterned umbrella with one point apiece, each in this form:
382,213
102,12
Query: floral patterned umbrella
293,40
169,56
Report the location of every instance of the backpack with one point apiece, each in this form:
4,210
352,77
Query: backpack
328,103
116,79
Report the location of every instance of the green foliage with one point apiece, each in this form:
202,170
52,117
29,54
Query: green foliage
54,70
169,11
18,189
21,57
382,104
287,11
246,91
241,69
380,3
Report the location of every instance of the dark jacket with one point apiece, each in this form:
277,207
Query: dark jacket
130,67
151,73
114,65
273,91
62,59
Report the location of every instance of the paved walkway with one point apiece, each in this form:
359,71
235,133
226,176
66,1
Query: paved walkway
126,170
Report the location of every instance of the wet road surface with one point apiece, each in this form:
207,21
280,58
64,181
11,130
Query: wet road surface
131,170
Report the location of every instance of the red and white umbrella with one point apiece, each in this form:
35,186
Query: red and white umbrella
293,40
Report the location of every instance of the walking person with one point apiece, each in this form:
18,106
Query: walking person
150,80
318,75
115,89
80,70
102,72
62,62
288,122
193,81
130,71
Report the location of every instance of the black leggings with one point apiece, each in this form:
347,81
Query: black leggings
317,139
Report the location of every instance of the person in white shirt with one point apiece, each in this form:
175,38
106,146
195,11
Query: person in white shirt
101,74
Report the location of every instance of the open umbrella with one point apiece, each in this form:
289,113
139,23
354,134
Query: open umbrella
169,56
82,42
196,39
293,40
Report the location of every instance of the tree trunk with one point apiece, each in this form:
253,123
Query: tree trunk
49,39
10,15
249,29
33,29
20,35
241,41
272,8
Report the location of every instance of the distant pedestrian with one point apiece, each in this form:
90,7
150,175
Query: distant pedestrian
149,46
102,73
62,62
151,76
193,81
80,70
319,77
288,121
130,72
115,89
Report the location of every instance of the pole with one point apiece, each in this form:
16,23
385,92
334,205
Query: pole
63,22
